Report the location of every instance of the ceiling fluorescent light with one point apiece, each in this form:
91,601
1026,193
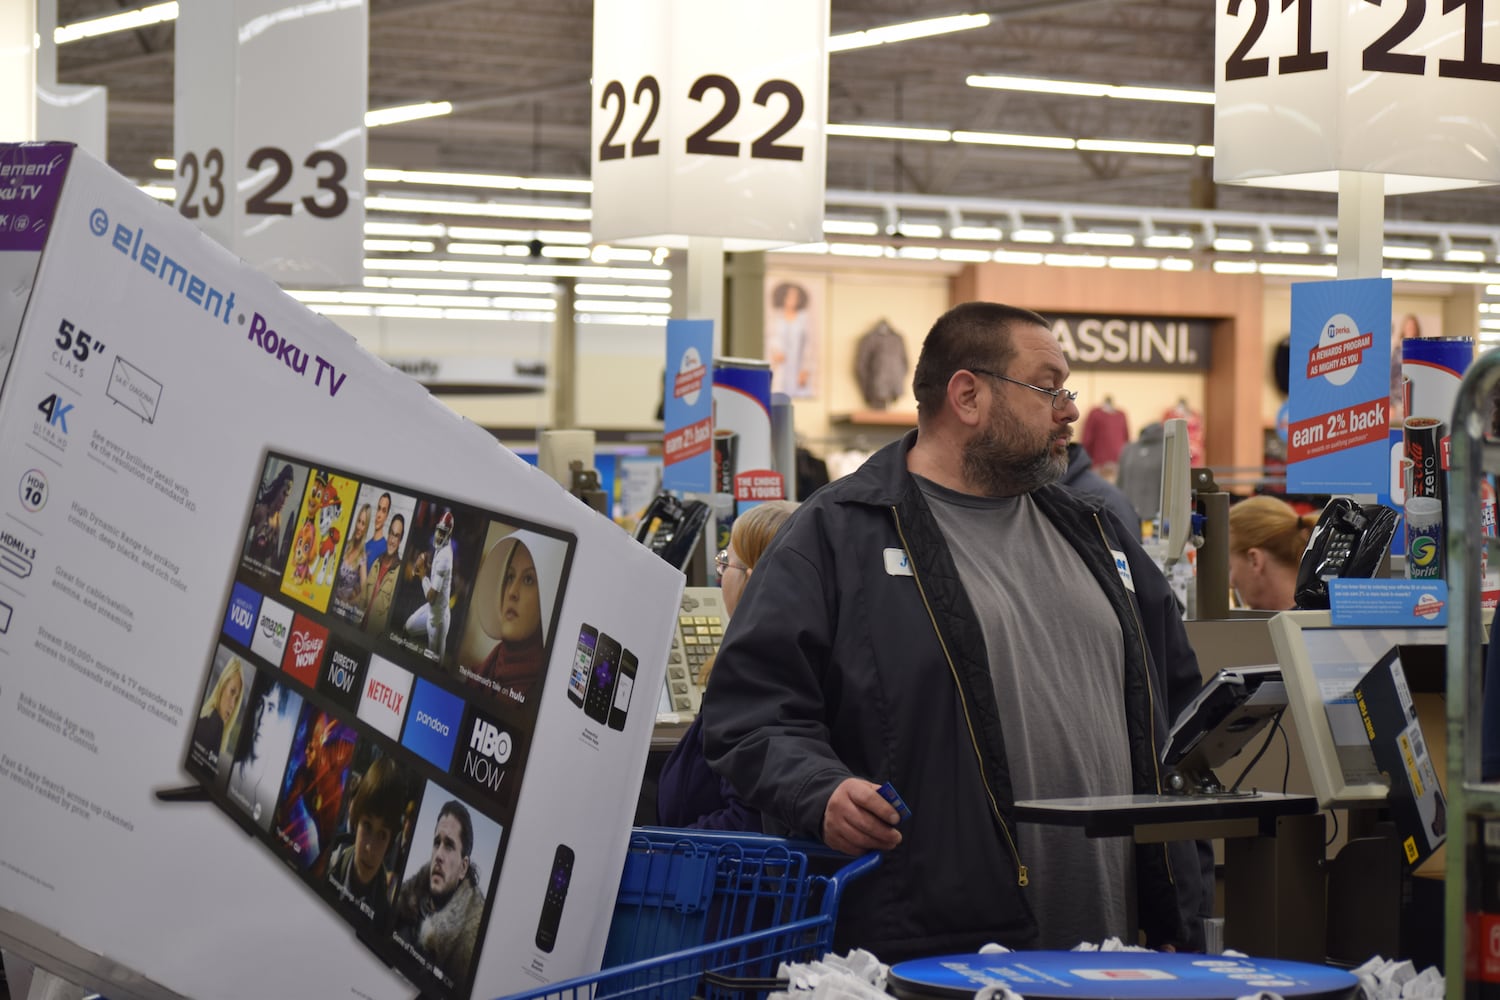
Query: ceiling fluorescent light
407,113
976,233
1033,236
965,256
499,182
1131,146
1176,264
1075,260
1287,269
438,206
431,230
516,287
1084,88
425,284
627,291
124,21
165,163
1430,274
856,250
1173,95
1017,257
1207,152
922,253
160,192
1231,244
1464,257
401,246
1091,239
579,237
907,31
1406,253
897,132
1164,242
918,231
1008,139
1134,263
850,227
1288,246
1038,85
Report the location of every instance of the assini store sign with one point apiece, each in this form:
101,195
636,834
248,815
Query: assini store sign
1133,343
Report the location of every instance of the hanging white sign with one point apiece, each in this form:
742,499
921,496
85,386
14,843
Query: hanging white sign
709,120
1305,88
269,172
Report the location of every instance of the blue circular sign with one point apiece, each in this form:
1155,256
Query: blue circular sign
1116,975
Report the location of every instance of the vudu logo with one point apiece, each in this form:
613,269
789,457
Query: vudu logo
490,741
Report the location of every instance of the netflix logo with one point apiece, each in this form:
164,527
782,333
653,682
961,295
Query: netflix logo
384,696
304,650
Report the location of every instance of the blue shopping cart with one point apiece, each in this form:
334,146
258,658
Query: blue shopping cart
712,915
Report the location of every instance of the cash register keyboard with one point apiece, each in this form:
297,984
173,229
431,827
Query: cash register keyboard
700,630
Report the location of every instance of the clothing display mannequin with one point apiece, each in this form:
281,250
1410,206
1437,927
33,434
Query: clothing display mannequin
1106,430
1140,471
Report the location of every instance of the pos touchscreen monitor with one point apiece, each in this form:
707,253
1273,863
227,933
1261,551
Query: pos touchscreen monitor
1321,663
368,708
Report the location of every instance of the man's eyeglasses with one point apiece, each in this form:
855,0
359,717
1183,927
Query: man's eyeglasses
722,564
1060,397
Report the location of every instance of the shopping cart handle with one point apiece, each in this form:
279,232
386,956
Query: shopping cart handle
811,848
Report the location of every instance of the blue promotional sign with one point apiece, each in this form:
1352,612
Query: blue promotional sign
1388,602
688,412
1339,405
1117,975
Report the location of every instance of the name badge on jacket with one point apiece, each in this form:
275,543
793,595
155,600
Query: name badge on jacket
896,563
1123,566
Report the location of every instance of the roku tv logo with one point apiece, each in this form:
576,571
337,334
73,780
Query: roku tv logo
304,650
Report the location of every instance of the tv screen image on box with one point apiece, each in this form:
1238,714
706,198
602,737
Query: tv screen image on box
368,709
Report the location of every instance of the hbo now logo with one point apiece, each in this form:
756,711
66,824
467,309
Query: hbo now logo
490,741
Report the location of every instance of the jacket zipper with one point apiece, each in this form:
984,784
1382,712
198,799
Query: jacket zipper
1140,632
1022,876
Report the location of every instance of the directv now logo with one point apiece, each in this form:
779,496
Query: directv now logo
342,669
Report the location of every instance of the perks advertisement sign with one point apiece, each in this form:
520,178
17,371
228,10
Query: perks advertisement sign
688,412
1339,402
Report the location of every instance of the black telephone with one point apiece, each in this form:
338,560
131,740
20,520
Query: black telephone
1350,540
671,528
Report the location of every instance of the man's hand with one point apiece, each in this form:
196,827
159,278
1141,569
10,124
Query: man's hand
857,819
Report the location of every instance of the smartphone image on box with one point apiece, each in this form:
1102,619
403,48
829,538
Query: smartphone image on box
552,903
624,684
602,680
583,659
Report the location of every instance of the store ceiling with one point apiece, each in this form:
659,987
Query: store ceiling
518,73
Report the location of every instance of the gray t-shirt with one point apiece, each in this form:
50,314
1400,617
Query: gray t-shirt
1057,663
